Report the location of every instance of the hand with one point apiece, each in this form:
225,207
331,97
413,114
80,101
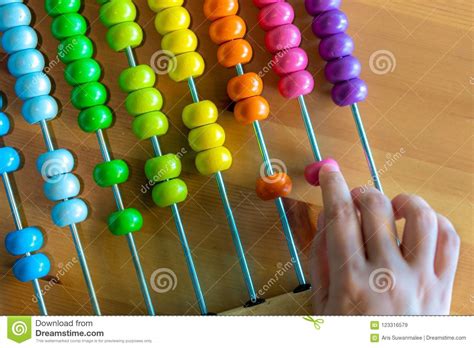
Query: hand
359,267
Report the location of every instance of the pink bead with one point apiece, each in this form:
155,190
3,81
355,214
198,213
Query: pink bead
298,83
282,38
263,3
287,62
276,14
311,172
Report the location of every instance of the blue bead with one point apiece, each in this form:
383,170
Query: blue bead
25,62
4,124
69,212
14,15
61,187
31,267
32,85
9,159
19,38
24,241
39,108
53,163
4,2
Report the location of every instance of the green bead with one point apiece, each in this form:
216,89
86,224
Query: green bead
117,11
88,94
82,71
123,35
111,173
57,7
163,168
151,124
143,101
69,24
97,117
126,221
137,77
170,192
75,48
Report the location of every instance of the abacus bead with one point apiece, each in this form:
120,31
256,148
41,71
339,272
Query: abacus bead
298,83
311,172
213,160
336,46
111,173
57,7
349,92
282,38
118,11
274,186
251,109
31,267
226,29
24,241
206,137
19,38
97,117
163,168
52,163
61,187
215,9
234,52
125,221
158,5
179,41
5,2
39,108
315,7
4,124
75,48
123,35
151,124
82,71
72,211
342,69
14,15
199,114
276,14
32,85
263,3
137,77
172,19
185,66
25,62
295,59
171,192
69,24
143,101
88,95
9,159
244,86
330,23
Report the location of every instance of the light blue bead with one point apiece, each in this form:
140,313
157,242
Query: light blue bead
32,85
53,163
31,267
14,15
4,2
4,124
25,62
19,38
9,159
69,212
39,108
24,241
61,187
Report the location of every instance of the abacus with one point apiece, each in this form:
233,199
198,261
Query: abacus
26,63
24,240
228,31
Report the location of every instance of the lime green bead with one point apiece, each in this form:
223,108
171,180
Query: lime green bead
123,35
97,117
199,114
206,137
69,24
150,124
117,11
170,192
172,19
158,5
111,173
125,221
163,168
137,77
185,66
82,71
101,2
57,7
213,160
143,101
75,48
88,94
180,41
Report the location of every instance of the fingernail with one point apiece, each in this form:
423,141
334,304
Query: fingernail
330,167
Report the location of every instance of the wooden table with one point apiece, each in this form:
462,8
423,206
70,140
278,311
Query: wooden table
421,106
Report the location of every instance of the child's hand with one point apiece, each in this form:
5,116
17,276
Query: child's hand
360,269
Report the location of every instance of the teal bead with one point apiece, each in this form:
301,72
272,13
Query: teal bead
88,95
97,117
67,25
82,71
111,173
125,221
75,48
58,7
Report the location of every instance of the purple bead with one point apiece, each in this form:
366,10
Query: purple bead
343,69
329,23
314,7
276,14
349,92
336,46
282,38
287,62
298,83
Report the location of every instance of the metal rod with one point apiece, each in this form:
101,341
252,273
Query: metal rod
309,129
193,89
47,137
130,57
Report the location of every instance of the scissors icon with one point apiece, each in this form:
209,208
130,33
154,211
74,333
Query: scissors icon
316,322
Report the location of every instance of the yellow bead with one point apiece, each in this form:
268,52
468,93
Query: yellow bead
199,114
123,35
143,101
158,5
172,19
206,137
186,65
180,41
213,160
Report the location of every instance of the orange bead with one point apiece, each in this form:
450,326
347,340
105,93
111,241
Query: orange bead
226,29
274,186
215,9
234,52
251,109
244,86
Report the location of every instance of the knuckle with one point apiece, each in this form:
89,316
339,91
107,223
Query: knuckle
339,210
425,215
375,199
